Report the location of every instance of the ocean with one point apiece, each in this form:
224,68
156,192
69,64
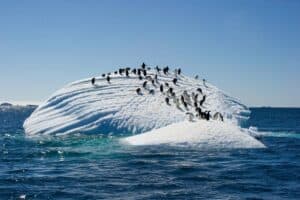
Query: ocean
100,167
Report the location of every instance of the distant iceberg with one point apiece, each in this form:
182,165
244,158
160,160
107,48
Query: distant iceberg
116,108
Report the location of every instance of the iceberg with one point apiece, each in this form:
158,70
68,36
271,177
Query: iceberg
114,107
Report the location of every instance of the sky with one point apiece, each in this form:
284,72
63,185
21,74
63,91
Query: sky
248,48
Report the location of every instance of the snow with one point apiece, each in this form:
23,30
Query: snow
209,134
116,108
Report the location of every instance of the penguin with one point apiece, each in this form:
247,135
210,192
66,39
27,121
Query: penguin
167,101
151,91
108,79
157,69
120,71
166,70
191,116
127,73
143,65
93,81
156,78
145,84
196,77
199,90
175,81
167,84
134,71
196,97
138,90
103,75
139,72
196,104
170,90
185,105
203,99
127,68
116,72
153,82
161,88
207,115
179,71
145,72
140,77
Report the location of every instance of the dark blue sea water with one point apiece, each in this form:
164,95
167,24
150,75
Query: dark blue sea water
97,167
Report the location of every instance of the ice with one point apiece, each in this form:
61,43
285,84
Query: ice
116,108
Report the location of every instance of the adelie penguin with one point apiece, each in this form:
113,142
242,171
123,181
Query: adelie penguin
179,71
140,77
134,71
151,91
93,81
157,69
199,90
143,65
145,72
145,84
203,99
103,75
127,73
175,81
108,79
166,70
161,88
167,100
138,91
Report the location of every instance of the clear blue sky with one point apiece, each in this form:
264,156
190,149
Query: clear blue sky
250,49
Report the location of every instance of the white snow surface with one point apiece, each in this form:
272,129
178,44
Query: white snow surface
116,108
208,134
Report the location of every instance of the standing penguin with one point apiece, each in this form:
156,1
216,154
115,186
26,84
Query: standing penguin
161,88
127,73
108,79
143,65
203,99
175,81
93,81
179,71
145,84
167,101
138,90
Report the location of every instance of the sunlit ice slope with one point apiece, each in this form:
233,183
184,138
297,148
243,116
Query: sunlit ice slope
116,108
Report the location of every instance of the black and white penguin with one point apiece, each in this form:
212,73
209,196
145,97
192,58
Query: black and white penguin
161,88
202,100
143,65
93,81
145,72
167,100
134,71
199,90
140,77
108,79
145,84
157,69
151,91
138,90
127,73
175,81
179,71
103,75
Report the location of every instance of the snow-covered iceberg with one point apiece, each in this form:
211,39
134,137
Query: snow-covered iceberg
116,108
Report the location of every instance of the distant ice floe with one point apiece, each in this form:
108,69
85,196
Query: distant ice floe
116,108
